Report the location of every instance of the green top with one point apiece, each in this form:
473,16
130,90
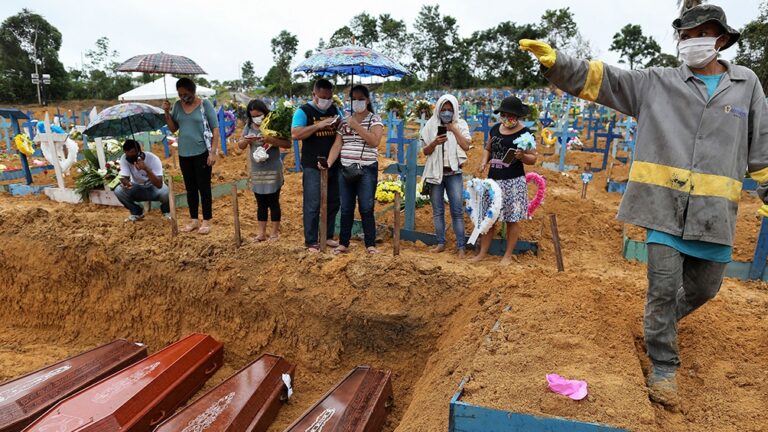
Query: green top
191,140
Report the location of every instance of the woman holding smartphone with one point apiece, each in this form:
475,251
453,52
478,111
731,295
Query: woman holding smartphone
266,174
445,140
506,156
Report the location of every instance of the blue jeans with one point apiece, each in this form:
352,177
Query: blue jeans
311,185
454,186
129,197
678,284
364,192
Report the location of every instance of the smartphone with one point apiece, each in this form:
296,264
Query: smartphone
323,161
509,156
442,130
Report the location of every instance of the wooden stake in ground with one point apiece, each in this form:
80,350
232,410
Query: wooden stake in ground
396,229
556,241
323,209
172,205
236,215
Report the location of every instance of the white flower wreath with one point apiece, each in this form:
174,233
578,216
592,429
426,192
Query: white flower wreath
64,162
482,217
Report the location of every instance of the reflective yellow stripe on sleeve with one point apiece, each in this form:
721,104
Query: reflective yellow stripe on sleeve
760,176
594,80
686,181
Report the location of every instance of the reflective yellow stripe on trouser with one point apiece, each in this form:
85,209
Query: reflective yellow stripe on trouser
686,181
594,80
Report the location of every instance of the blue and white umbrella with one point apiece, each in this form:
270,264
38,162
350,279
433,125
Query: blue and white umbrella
352,60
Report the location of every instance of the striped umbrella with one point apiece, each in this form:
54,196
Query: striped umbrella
161,63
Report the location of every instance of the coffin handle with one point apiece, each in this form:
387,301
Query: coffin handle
159,419
212,369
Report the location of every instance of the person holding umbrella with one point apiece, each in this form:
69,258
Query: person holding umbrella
198,141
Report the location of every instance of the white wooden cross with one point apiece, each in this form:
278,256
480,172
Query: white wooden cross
49,140
99,144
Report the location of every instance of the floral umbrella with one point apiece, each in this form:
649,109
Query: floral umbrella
125,119
352,60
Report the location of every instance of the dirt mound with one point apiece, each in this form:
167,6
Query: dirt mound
77,276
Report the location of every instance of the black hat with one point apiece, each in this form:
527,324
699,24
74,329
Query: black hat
513,105
701,14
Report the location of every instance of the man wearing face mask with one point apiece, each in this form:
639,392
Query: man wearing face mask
701,126
315,125
141,179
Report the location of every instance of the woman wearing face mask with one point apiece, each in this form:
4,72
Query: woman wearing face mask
357,146
509,174
266,175
701,126
198,127
445,139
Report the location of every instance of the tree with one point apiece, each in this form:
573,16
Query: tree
664,60
433,46
101,58
634,47
393,37
341,37
18,53
365,29
98,78
248,75
284,47
497,59
559,27
753,46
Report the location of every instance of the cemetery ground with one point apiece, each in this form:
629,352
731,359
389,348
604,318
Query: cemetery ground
75,276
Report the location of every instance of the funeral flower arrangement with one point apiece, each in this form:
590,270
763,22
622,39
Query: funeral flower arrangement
397,105
278,122
92,177
422,107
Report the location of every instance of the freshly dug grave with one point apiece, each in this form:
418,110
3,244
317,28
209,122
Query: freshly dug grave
77,276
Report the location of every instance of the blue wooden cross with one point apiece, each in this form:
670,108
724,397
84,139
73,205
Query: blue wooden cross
761,253
296,156
398,139
391,123
15,116
609,137
85,117
5,125
223,124
483,125
166,147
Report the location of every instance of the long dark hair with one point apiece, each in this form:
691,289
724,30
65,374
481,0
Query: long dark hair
364,90
258,105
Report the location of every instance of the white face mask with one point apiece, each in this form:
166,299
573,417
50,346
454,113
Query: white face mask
257,120
324,104
359,106
697,52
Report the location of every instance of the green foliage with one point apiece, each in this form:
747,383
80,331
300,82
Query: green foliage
397,105
341,37
284,47
753,46
90,177
499,62
249,75
365,28
25,37
634,47
559,27
664,60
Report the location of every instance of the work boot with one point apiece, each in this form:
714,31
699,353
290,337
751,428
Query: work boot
662,386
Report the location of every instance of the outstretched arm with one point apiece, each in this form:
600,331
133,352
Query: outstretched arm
592,80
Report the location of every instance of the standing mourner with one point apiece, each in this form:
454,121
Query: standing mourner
701,126
198,127
445,140
266,172
510,146
357,145
315,124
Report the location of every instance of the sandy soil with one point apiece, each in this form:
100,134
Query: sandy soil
77,276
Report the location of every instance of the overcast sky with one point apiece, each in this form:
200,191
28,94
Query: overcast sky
220,35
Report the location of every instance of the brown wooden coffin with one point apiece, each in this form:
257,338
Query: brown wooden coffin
25,398
248,401
139,397
358,403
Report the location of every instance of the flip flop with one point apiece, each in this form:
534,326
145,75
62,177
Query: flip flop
332,243
340,250
372,250
313,249
258,239
190,227
274,238
203,230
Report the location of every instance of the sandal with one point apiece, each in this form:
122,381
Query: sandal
190,227
372,250
274,237
332,243
204,229
340,249
258,239
313,249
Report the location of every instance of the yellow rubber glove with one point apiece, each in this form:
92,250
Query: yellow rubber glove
545,53
763,211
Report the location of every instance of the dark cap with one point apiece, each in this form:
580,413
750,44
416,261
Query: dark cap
701,14
513,105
